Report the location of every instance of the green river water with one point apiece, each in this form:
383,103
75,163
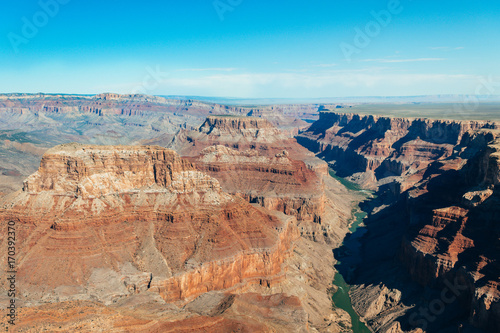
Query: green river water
341,298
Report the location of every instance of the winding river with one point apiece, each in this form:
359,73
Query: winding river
352,248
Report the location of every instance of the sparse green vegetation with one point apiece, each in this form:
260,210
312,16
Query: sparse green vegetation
347,184
452,111
20,137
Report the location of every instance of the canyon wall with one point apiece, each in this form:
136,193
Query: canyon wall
123,229
436,212
254,160
370,148
120,189
32,123
461,239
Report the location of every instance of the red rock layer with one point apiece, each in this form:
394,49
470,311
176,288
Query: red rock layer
438,245
462,242
240,133
141,214
254,160
278,183
262,267
377,147
237,313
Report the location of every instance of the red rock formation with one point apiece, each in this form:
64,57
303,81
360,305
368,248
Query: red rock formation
241,133
438,245
370,148
45,121
462,242
139,228
233,313
253,159
277,183
141,215
124,223
438,189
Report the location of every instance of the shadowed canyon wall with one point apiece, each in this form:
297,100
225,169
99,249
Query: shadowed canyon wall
437,186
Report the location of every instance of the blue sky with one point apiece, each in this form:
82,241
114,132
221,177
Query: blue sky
250,48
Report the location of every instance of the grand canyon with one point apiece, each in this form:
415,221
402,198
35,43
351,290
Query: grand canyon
137,213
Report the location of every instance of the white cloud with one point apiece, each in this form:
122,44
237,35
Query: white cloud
446,48
215,69
402,60
325,65
345,82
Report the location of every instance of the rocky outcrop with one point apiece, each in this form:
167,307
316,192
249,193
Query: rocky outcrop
241,133
253,266
150,241
254,160
96,171
98,212
461,242
370,148
246,126
277,182
32,123
216,312
436,211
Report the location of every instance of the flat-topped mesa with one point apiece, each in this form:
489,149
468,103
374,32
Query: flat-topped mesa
133,219
370,148
94,171
241,133
108,96
439,131
256,129
224,122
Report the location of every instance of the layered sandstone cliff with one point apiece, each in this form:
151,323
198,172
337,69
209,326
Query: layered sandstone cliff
137,238
253,159
233,131
370,148
436,211
32,123
277,183
106,223
461,241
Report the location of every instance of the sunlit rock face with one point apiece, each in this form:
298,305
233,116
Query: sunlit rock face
115,220
437,183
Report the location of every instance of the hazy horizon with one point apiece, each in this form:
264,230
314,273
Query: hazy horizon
251,49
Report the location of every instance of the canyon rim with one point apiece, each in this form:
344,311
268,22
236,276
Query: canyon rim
244,219
230,166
